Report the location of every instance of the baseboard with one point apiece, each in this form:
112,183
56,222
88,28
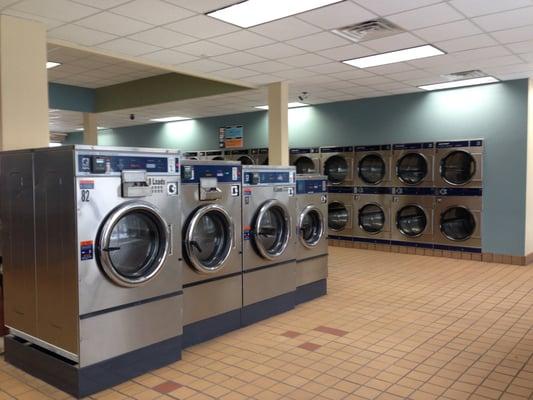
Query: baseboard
264,309
311,291
210,328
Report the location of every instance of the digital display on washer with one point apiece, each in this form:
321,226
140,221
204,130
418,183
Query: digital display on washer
270,177
309,186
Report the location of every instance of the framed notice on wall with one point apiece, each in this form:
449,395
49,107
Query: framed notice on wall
231,137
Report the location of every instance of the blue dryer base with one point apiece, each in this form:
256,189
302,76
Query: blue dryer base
210,328
80,382
311,291
267,308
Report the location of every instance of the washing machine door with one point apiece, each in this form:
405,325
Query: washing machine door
133,243
310,226
371,218
304,165
457,223
412,168
372,169
336,169
245,160
209,238
457,167
338,216
271,229
411,220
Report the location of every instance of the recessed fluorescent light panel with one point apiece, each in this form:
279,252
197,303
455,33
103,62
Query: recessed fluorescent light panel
254,12
456,84
414,53
294,104
52,64
98,128
169,119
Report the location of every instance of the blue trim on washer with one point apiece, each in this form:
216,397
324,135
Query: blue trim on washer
412,244
335,237
458,192
337,149
304,150
210,328
459,143
413,146
413,191
370,240
373,190
311,291
457,248
341,189
267,308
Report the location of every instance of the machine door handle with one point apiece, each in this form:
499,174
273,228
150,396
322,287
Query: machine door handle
267,231
111,248
195,244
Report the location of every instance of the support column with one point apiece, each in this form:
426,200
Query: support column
23,84
90,130
278,123
528,248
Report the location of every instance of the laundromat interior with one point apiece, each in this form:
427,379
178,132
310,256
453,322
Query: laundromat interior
224,199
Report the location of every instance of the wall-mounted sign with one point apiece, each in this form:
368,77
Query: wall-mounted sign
231,137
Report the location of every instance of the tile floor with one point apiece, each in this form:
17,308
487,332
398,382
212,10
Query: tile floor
394,326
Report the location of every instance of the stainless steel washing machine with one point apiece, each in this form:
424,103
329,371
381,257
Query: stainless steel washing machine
105,279
244,156
260,156
458,219
412,212
372,214
311,231
211,155
191,155
340,213
212,273
459,164
306,160
337,164
373,165
413,164
268,250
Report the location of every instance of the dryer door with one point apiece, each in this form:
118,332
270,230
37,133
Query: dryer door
338,216
245,160
310,226
412,168
371,218
458,167
271,229
304,165
336,168
209,239
372,169
457,223
133,244
411,220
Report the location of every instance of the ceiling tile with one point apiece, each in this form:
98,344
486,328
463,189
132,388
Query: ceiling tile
171,57
204,66
239,58
202,27
391,68
128,46
330,68
353,74
101,4
318,41
305,60
474,8
506,19
112,23
408,75
466,43
527,57
395,42
155,12
387,7
426,16
80,35
204,48
277,50
235,73
162,37
61,10
521,47
337,15
478,54
261,79
514,35
298,73
346,52
242,40
202,6
49,22
285,29
268,66
448,31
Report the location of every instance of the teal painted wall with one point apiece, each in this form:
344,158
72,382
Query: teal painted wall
73,98
497,113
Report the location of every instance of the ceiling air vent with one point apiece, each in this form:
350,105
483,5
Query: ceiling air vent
369,30
459,76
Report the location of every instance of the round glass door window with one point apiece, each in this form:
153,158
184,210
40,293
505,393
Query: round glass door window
336,169
457,223
132,244
209,239
338,216
272,229
411,220
412,168
371,218
311,226
458,167
245,160
304,165
372,169
218,158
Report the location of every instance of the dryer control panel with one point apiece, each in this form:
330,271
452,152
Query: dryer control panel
268,178
114,164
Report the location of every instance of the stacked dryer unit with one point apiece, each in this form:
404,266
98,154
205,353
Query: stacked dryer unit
259,155
211,155
92,263
306,160
311,231
212,270
191,155
244,156
268,250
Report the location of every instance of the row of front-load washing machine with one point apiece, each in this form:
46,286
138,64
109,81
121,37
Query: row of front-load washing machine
115,259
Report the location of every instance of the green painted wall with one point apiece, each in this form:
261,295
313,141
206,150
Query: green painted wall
497,113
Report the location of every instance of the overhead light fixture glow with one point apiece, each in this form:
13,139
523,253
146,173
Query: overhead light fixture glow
98,128
54,144
294,104
391,57
169,119
254,12
52,64
456,84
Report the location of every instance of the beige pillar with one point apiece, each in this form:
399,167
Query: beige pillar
529,177
278,123
90,130
23,84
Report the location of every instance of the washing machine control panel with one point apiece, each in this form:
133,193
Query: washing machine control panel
268,177
114,164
